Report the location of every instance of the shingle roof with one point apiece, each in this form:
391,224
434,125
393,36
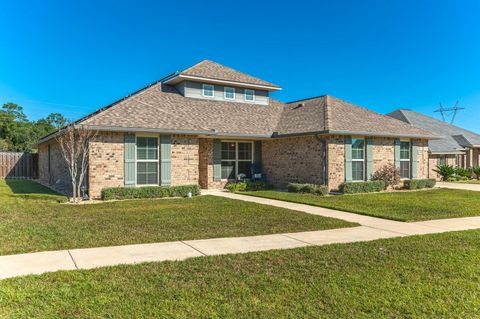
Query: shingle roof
211,70
453,138
333,115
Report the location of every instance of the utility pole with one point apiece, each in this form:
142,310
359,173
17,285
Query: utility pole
449,112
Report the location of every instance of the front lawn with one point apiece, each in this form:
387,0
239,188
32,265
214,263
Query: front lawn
431,276
402,206
31,220
470,181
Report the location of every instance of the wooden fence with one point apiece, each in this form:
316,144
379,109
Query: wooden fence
18,165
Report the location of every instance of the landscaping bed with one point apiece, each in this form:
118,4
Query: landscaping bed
399,205
31,219
431,276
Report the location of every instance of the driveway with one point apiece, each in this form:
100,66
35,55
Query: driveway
464,186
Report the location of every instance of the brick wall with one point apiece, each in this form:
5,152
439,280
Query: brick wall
434,161
106,162
292,160
336,161
58,177
206,166
185,157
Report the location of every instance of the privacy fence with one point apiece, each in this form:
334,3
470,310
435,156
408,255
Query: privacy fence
18,165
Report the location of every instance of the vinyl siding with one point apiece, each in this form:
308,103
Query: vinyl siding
194,90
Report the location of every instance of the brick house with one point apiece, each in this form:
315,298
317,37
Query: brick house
455,147
209,124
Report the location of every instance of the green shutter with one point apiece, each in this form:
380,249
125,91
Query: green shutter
130,169
348,158
217,160
258,156
369,158
165,160
397,153
414,159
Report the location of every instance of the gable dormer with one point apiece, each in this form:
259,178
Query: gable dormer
212,81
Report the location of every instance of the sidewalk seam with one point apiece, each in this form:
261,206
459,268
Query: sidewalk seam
299,240
201,252
73,260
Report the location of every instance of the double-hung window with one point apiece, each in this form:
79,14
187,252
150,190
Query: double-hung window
237,159
229,93
208,90
358,159
405,159
249,95
147,160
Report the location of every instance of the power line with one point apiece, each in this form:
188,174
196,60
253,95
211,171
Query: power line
449,112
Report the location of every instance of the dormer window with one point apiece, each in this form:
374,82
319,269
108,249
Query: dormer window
229,93
208,90
249,95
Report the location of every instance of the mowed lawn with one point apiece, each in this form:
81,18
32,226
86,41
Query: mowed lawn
401,206
31,219
431,276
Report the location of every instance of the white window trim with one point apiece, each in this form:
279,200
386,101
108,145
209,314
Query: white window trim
225,93
245,95
236,160
148,161
407,160
360,160
203,90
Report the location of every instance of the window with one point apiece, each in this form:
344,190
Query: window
237,159
405,159
442,160
358,159
249,95
208,90
147,160
229,93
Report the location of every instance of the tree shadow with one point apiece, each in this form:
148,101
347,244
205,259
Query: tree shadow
28,187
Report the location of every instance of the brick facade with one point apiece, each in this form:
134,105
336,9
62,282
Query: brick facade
185,160
336,161
293,160
56,176
206,166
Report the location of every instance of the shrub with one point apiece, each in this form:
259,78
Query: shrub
476,171
321,190
446,171
463,172
419,183
389,174
248,186
149,192
362,187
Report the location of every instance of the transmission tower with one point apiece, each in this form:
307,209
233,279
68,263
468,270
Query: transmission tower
448,112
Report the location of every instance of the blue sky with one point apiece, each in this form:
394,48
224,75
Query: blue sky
76,56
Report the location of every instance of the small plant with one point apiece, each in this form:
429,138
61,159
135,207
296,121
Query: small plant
446,171
419,183
476,171
362,187
321,190
389,174
463,172
247,186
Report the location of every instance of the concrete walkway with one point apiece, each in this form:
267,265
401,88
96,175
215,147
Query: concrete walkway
464,186
371,228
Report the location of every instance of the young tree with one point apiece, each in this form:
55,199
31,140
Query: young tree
75,145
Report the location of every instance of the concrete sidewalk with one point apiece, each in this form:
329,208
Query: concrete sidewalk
464,186
372,228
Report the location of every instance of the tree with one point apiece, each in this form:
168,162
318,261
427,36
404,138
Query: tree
56,120
75,145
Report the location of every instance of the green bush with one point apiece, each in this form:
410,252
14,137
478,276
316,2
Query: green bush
247,186
149,192
419,183
476,171
321,190
362,187
446,171
463,172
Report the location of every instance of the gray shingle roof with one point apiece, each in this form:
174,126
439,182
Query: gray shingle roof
453,138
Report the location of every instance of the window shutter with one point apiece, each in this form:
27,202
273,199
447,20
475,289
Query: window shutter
369,158
130,169
165,160
217,160
414,159
258,156
397,153
348,158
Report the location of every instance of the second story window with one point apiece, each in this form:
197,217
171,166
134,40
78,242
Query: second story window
229,93
208,90
249,95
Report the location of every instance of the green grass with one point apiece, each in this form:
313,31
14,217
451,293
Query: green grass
470,181
432,276
32,220
402,206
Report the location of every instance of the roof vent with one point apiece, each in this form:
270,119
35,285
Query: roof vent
299,105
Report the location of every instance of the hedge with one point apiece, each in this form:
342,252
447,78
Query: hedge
149,192
321,190
362,187
247,186
419,183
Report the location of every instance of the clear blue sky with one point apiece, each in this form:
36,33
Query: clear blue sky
78,56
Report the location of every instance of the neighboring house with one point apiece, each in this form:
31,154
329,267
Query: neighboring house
208,124
456,147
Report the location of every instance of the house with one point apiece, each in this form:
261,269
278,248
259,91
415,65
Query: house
208,124
456,147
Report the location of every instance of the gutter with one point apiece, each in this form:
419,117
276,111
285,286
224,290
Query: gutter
334,132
